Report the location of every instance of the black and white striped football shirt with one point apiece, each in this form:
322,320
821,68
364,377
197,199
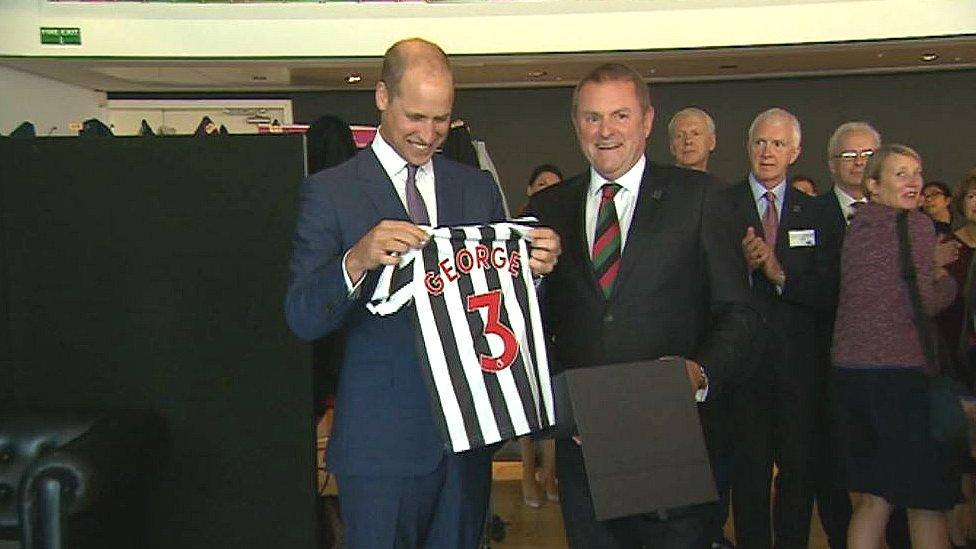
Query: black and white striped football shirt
479,331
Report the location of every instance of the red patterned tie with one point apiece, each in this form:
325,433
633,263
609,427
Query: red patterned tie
606,240
770,219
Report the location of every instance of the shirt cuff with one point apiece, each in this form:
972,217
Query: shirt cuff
350,287
702,394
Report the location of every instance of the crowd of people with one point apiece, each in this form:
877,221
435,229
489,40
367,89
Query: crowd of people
793,312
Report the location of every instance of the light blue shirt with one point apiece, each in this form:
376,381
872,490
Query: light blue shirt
758,196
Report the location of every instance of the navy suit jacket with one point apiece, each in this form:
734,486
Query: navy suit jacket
384,423
811,274
838,224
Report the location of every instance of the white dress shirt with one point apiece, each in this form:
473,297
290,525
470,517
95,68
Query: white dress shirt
625,200
845,200
396,168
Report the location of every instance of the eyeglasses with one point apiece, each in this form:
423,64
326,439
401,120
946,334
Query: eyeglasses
851,155
932,195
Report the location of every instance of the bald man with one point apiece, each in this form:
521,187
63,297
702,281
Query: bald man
399,487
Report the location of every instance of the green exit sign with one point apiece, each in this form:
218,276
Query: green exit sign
61,36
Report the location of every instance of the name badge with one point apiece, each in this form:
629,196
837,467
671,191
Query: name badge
803,238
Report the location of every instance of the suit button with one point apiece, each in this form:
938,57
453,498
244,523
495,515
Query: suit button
608,318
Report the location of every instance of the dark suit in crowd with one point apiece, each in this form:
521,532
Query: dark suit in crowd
384,432
833,503
681,290
775,409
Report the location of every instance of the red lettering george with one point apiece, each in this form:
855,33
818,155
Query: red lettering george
433,283
481,256
498,258
514,264
464,261
448,270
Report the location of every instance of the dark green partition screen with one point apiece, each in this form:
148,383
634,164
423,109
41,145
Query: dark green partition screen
150,273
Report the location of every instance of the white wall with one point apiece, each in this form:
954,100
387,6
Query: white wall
125,116
344,29
46,103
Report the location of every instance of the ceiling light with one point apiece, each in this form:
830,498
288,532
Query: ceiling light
354,78
536,74
929,57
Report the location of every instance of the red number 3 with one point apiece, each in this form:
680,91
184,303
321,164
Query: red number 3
493,301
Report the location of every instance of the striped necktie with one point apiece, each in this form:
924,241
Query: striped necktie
606,240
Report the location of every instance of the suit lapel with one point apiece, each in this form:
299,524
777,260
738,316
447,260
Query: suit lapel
791,209
746,204
576,239
379,188
450,196
641,234
839,217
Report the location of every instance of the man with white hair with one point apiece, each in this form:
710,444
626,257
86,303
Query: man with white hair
691,135
785,244
848,151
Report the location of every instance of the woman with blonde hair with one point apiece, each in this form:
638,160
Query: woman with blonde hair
880,374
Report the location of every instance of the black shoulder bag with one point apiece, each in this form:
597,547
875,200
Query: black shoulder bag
947,421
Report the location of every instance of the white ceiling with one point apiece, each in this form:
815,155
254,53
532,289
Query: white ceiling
525,70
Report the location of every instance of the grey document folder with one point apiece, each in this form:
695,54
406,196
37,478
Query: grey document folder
642,439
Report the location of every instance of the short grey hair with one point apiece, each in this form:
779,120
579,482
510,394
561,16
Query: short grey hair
777,112
688,111
833,144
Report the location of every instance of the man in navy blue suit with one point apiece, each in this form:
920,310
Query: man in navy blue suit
398,484
788,244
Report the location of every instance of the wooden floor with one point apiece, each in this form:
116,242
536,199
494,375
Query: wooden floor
528,528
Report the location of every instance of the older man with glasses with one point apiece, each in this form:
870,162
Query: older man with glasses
848,151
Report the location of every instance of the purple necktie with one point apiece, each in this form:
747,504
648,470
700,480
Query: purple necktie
770,219
416,208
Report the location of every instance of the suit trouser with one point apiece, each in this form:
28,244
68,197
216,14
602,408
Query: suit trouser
833,502
717,427
773,424
681,530
444,509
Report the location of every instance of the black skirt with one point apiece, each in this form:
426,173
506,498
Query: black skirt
882,439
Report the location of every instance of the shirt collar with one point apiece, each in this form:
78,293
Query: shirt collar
391,160
758,190
630,181
845,200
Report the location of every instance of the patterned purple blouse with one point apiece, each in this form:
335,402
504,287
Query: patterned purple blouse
874,326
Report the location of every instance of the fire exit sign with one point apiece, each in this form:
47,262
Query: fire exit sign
61,36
